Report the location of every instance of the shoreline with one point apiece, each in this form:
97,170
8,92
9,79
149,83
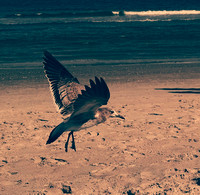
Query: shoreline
122,74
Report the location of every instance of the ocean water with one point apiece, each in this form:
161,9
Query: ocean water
124,34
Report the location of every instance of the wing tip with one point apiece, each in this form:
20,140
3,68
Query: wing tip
48,57
100,85
47,53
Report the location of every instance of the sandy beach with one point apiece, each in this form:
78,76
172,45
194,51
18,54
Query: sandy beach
148,52
156,150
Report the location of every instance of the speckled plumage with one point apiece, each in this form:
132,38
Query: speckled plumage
81,106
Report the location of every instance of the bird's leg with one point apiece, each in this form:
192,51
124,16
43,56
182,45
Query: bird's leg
73,142
66,144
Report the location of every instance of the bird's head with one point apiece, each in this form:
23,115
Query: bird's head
107,112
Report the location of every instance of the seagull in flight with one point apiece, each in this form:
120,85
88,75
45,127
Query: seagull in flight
80,105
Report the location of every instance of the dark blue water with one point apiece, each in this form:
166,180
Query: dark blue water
96,33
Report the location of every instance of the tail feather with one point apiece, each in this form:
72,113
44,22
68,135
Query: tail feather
56,132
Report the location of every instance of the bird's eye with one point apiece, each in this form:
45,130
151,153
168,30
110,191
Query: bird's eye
111,112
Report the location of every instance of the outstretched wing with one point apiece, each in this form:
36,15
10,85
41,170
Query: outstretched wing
65,88
91,98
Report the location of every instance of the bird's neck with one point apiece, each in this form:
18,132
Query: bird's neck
100,116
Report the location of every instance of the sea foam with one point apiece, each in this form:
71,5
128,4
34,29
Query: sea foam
158,13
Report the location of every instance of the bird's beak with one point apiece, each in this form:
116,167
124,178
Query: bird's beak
120,116
115,114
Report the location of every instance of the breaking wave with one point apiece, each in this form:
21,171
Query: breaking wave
157,13
106,13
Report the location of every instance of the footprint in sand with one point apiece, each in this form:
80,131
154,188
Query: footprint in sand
43,161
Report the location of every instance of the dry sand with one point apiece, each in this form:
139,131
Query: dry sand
156,150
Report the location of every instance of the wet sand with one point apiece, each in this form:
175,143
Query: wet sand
155,150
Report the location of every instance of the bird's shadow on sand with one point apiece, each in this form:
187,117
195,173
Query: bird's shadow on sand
181,90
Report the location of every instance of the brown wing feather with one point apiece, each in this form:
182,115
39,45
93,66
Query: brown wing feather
91,98
64,86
